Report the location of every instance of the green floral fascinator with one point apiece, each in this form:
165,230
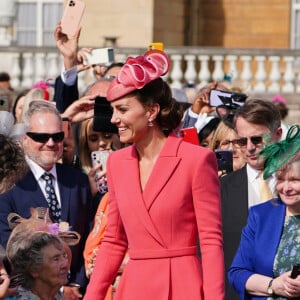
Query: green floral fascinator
278,154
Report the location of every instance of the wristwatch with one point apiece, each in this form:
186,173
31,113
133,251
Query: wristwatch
269,289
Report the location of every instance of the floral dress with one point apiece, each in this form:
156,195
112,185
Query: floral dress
24,294
288,252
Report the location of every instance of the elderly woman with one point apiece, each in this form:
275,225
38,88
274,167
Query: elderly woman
41,262
269,246
39,255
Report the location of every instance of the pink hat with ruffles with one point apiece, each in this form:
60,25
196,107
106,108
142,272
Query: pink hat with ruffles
138,72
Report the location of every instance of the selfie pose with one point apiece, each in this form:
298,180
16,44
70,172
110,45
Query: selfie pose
163,197
269,246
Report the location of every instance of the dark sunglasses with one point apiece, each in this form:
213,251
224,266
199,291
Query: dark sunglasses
44,137
255,140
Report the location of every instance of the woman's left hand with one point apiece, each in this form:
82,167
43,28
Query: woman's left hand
286,286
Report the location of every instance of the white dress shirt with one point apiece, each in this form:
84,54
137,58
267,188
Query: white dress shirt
38,172
253,185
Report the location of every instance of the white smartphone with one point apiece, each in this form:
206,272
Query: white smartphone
72,16
100,157
100,56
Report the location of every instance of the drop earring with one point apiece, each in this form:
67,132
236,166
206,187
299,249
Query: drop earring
150,124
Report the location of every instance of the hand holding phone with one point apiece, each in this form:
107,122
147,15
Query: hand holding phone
224,160
100,56
226,98
295,271
100,157
72,15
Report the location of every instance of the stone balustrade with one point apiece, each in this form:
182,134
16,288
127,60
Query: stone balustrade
253,70
258,72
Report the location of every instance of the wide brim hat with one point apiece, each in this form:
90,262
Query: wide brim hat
138,72
40,221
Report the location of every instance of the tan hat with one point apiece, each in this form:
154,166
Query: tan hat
40,221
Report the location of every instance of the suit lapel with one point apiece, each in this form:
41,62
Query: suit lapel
272,234
64,192
162,171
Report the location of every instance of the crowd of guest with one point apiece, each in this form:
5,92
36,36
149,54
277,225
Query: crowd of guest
139,222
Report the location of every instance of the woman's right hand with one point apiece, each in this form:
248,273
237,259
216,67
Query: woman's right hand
95,175
80,109
201,103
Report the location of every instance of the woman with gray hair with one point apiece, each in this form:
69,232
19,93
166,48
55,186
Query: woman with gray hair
39,255
40,261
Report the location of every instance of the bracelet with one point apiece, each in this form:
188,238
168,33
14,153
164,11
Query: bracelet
269,289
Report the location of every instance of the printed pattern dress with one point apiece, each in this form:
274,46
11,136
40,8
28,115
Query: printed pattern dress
288,253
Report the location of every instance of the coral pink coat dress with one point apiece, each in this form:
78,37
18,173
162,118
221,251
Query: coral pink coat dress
161,225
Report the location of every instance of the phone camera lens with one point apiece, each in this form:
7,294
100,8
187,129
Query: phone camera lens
71,3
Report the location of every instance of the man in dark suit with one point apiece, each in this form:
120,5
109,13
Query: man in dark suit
256,123
65,190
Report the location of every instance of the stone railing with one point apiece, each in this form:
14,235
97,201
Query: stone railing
253,70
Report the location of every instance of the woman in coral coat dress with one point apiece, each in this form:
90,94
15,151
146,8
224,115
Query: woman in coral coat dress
164,196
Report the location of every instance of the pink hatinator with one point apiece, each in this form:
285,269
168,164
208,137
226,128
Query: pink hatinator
138,72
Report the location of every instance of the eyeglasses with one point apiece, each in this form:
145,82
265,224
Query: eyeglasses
255,140
226,143
57,137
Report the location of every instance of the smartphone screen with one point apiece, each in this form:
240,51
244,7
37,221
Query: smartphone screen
101,56
226,98
224,160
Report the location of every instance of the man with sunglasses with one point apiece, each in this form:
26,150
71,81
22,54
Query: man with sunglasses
256,123
65,190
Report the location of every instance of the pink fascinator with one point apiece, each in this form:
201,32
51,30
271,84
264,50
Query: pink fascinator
279,99
138,72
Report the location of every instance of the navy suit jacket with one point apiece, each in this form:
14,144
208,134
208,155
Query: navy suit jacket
258,246
234,201
75,204
64,95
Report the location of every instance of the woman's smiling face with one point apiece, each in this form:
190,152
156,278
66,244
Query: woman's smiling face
131,118
288,186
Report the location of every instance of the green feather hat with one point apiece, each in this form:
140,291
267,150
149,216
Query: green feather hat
278,154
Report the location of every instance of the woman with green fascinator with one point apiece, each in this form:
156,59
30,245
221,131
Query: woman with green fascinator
270,242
